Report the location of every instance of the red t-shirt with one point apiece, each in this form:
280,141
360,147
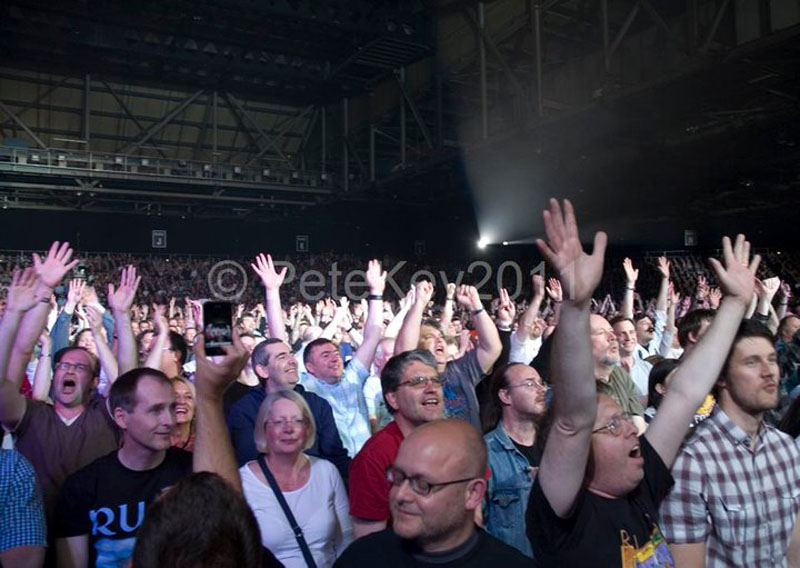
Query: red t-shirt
369,489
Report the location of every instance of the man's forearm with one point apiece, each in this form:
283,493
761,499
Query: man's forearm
31,327
127,353
408,336
489,344
661,299
626,309
212,446
574,390
277,328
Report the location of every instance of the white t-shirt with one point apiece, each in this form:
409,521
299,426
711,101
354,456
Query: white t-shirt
320,507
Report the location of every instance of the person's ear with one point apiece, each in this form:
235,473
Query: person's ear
121,417
660,388
391,400
474,494
504,397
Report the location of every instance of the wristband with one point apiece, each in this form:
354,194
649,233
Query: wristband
375,297
504,328
476,312
630,287
450,298
45,300
44,355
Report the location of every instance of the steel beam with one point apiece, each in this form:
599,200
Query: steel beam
371,152
536,9
324,135
53,86
714,26
161,124
482,57
402,120
130,115
345,156
623,30
425,133
214,118
22,125
661,23
87,92
606,39
154,193
284,129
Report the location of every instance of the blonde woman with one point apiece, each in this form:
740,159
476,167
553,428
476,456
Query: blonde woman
183,434
311,488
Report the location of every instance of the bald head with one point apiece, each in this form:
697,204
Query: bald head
455,445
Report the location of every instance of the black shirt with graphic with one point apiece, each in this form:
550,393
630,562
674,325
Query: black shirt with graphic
107,501
601,531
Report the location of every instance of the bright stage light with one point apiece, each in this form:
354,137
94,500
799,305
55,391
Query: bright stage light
505,243
482,243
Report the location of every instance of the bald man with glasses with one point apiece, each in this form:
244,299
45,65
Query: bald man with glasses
437,482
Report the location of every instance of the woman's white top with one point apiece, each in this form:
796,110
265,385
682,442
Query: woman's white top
320,507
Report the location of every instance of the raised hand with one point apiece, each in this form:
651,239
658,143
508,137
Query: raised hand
702,288
423,292
75,292
120,299
468,297
215,374
737,275
376,278
506,310
714,297
663,267
631,273
538,286
768,287
554,290
450,290
22,290
675,296
539,325
578,272
265,268
55,265
95,318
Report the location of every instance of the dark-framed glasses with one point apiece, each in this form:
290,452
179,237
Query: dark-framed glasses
418,485
419,382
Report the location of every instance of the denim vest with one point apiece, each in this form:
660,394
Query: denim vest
508,491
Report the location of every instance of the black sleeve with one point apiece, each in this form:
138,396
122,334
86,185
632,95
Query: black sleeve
658,479
505,339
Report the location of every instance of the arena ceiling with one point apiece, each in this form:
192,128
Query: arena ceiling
652,110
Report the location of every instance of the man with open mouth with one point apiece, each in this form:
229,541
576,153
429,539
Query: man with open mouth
596,495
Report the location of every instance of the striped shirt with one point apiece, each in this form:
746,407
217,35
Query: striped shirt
741,499
347,402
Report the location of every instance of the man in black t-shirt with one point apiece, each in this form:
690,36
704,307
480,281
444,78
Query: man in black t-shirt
437,483
596,495
102,505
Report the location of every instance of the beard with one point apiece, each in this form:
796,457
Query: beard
610,360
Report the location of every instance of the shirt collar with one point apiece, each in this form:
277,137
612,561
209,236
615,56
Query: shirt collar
729,428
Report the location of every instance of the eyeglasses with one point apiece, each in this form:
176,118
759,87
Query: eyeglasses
614,426
418,486
419,382
293,422
529,384
65,366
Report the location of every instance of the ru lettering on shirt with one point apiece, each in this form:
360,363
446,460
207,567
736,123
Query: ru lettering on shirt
113,522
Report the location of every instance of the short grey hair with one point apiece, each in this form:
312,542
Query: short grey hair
264,412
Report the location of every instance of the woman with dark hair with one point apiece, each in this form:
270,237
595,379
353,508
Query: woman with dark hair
660,376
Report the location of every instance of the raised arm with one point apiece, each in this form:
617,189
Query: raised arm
21,298
160,341
663,286
408,336
51,271
43,377
631,275
373,328
449,304
532,311
393,327
272,280
212,444
574,392
489,345
107,360
120,300
700,369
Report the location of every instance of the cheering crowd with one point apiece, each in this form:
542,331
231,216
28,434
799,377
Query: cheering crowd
570,428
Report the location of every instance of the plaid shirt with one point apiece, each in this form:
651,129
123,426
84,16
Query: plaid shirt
742,502
21,510
347,402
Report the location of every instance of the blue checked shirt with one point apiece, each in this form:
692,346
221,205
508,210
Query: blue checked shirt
21,509
348,403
